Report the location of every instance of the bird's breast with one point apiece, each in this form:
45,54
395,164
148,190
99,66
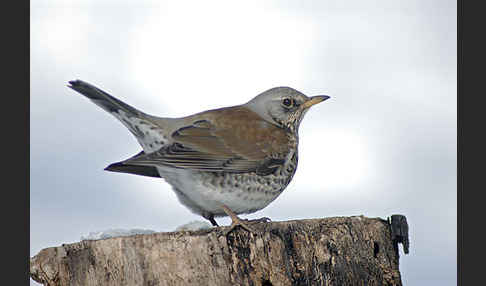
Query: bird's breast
271,184
204,192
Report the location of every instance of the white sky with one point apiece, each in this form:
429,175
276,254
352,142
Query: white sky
384,143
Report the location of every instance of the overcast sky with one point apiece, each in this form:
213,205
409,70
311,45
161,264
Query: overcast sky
385,143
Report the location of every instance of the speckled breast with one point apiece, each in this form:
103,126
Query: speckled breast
204,192
241,192
250,183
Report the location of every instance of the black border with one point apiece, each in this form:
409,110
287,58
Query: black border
459,142
470,148
15,95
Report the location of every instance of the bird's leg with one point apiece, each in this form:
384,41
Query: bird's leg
212,221
210,217
236,221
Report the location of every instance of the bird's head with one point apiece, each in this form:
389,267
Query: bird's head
283,106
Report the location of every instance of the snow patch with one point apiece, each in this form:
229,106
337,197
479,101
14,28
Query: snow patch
115,233
194,225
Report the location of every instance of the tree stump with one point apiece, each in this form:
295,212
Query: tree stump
329,251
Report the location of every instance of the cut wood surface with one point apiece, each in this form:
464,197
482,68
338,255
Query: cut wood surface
330,251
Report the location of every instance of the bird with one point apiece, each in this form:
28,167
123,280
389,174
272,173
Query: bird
220,162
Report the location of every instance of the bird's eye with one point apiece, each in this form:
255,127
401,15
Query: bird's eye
288,102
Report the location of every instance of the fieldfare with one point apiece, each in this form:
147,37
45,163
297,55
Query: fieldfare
221,162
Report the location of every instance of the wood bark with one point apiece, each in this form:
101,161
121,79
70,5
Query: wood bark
329,251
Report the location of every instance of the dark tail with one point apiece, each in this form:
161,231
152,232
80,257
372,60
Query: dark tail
149,171
141,125
103,99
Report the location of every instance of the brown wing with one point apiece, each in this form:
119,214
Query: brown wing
232,139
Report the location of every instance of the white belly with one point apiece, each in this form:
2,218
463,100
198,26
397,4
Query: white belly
196,192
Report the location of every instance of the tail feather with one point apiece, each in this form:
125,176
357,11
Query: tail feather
102,99
123,167
149,171
150,136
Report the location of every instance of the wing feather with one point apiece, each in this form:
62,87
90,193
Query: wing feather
229,140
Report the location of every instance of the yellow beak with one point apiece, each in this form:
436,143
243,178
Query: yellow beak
314,100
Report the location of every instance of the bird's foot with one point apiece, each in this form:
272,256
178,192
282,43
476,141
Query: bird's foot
244,223
239,222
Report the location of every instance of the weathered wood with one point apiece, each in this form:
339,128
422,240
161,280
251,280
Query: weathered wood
330,251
